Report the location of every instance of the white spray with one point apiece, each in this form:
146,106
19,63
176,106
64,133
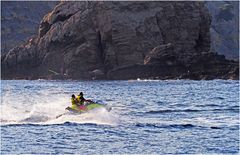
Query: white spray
43,107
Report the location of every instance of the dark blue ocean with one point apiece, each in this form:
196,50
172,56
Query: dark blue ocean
147,117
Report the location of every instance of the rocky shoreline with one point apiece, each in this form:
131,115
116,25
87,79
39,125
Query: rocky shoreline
120,41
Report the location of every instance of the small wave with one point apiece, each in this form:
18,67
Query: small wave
22,124
67,123
144,80
170,111
28,87
209,105
141,125
221,98
40,124
234,107
77,124
175,126
215,127
182,126
229,109
233,127
190,110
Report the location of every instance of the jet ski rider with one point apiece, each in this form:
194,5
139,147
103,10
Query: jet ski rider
80,99
74,102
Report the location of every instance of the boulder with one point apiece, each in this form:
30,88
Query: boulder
161,54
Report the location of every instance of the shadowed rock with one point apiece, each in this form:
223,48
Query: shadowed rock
20,21
123,40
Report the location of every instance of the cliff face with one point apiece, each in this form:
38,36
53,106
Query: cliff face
225,27
20,21
119,40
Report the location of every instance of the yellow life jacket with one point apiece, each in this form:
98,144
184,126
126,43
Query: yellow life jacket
74,104
79,99
73,100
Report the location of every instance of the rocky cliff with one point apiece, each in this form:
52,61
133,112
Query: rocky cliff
225,27
121,40
20,21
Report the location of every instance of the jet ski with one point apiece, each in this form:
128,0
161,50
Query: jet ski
88,105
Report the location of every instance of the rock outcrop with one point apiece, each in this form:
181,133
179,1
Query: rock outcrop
225,27
20,21
120,40
163,63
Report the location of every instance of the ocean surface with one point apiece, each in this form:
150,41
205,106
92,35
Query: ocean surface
147,117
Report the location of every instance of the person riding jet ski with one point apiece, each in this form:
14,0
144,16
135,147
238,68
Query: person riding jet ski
80,98
74,103
79,106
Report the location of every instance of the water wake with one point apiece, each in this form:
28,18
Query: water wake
42,109
95,116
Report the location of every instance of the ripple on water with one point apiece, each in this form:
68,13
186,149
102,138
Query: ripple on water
148,117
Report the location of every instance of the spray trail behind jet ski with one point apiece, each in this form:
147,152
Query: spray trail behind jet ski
42,108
